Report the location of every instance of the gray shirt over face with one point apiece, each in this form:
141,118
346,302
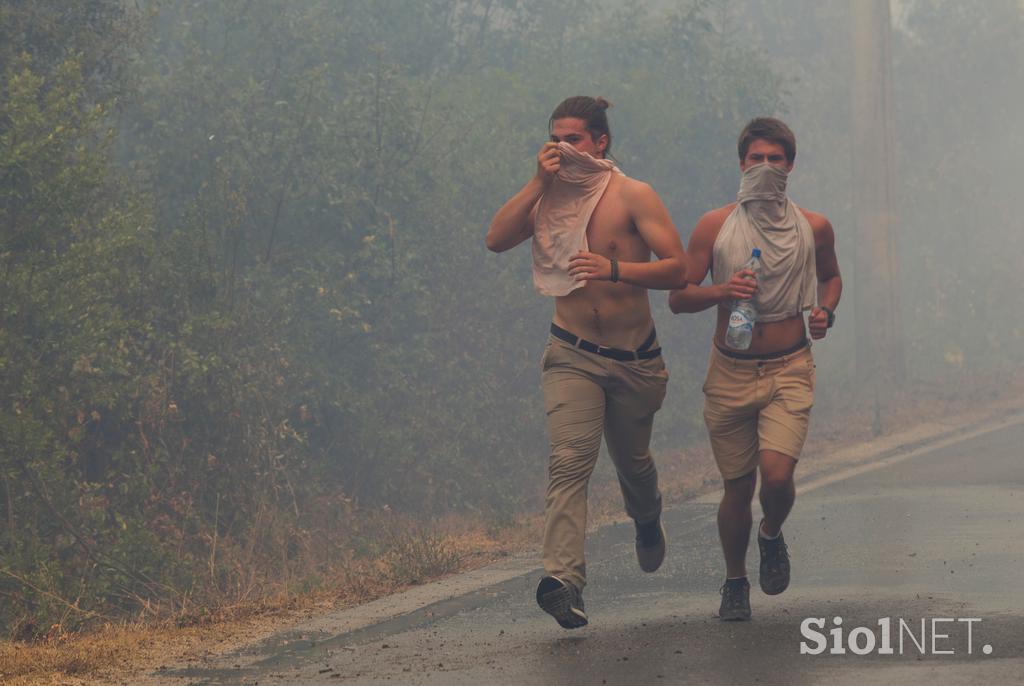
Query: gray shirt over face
766,218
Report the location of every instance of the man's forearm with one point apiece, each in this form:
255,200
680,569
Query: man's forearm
829,292
509,226
695,298
661,275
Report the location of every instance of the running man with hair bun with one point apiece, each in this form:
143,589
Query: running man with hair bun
758,401
593,230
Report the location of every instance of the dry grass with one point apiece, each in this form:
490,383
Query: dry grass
112,653
415,554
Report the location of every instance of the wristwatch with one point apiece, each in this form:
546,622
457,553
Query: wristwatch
831,316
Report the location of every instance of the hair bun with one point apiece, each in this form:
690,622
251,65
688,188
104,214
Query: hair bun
602,103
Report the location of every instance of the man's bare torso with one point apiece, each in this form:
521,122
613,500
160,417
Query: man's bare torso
616,315
768,336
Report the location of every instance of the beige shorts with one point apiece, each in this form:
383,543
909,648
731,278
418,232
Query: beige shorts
754,405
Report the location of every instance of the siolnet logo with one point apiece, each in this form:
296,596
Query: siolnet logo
935,636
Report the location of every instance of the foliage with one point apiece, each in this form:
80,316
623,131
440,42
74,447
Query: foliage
245,305
264,305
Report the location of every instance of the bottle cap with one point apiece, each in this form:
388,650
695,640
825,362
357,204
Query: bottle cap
756,252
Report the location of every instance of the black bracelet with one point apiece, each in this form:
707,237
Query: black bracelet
615,270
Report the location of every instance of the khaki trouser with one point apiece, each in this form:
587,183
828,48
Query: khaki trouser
587,396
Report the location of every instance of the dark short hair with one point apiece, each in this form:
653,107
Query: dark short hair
770,129
590,110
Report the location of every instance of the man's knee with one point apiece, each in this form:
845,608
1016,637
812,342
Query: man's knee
632,466
741,488
568,464
777,484
776,471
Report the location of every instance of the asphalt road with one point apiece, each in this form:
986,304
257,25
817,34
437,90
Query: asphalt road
932,536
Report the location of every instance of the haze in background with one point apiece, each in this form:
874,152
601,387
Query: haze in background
247,318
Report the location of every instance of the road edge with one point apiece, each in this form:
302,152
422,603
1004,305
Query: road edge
847,462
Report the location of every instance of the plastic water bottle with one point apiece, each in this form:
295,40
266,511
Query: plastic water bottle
744,314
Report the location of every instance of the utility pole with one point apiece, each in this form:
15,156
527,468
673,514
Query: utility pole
880,354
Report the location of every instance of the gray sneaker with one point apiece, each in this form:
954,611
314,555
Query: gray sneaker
774,572
563,601
650,545
735,605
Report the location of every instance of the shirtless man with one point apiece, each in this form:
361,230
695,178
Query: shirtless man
758,401
602,368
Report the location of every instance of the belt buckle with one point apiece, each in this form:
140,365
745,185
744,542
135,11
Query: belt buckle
600,349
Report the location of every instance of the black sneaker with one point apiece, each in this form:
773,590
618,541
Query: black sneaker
650,545
563,601
774,573
735,605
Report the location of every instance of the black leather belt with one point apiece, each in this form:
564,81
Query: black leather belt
641,353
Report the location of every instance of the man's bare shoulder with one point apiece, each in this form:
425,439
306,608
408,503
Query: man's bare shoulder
818,221
821,227
634,190
712,220
640,199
